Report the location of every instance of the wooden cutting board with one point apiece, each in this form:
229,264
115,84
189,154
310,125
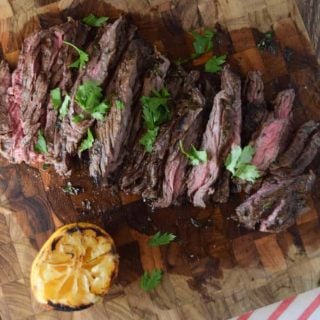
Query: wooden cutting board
216,269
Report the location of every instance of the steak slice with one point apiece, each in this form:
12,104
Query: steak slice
155,164
62,77
255,109
221,134
105,52
113,133
276,204
5,127
296,147
133,177
30,84
274,133
188,130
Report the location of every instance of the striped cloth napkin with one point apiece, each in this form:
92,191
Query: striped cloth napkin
304,306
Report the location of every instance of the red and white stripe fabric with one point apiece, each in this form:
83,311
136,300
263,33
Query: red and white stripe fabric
304,306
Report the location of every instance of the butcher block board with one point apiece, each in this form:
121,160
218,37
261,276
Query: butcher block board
215,269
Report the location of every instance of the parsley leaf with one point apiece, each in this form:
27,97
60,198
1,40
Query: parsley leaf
94,21
41,145
149,138
248,172
99,111
64,107
195,156
155,109
119,104
88,97
78,118
55,95
215,63
238,163
155,112
83,57
233,158
161,239
150,280
87,142
202,42
70,189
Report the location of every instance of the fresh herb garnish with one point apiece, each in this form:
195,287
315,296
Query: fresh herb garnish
45,166
119,104
215,63
149,138
155,112
83,57
238,163
94,21
150,280
268,43
70,189
87,142
55,95
41,145
78,118
161,239
195,156
202,42
63,111
88,97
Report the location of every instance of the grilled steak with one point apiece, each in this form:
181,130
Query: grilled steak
187,129
62,77
5,127
154,169
104,54
133,179
254,109
276,204
222,132
29,94
274,133
112,133
295,149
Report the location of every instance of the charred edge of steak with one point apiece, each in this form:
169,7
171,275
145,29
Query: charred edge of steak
254,109
295,149
283,104
5,125
270,201
114,132
254,88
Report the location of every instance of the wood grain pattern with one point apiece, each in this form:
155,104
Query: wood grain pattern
215,269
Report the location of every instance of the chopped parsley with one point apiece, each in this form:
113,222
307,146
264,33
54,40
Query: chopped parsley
195,156
41,145
155,112
161,239
55,95
83,57
215,64
87,143
150,280
94,21
89,98
202,42
238,163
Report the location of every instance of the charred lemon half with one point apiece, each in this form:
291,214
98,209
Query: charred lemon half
75,267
